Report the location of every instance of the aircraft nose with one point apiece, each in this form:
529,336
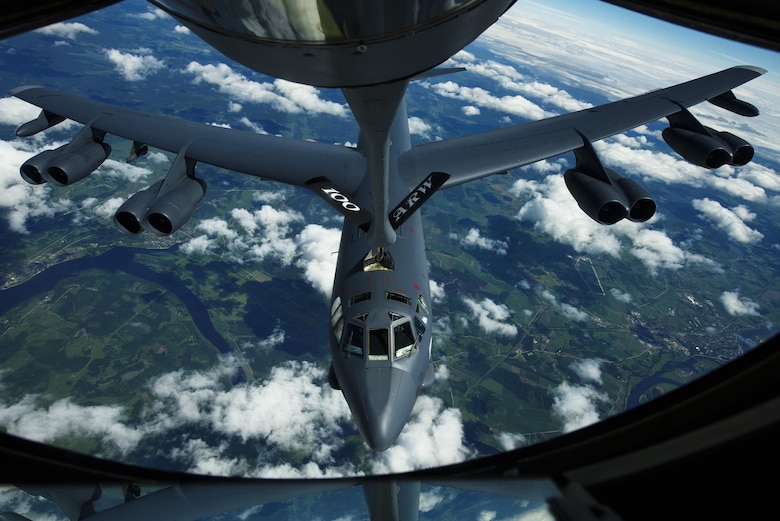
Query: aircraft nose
388,397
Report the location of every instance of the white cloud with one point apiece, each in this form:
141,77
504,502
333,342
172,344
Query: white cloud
470,110
491,317
730,221
200,245
510,440
153,14
474,239
318,246
63,418
282,95
575,405
418,127
588,370
134,67
69,30
432,437
437,291
567,310
515,105
621,296
736,305
549,206
180,29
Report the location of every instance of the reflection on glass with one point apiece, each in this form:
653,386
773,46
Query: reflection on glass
310,20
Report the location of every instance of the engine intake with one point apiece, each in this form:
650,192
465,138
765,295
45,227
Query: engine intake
69,163
602,194
165,206
705,146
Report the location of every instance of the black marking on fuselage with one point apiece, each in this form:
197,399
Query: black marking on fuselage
328,191
412,202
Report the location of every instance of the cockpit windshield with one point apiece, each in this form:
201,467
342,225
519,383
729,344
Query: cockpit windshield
310,20
381,343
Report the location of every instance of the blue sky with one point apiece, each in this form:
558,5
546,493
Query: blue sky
674,38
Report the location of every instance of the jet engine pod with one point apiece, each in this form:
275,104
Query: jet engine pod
175,207
741,151
32,169
73,165
699,149
129,216
598,199
641,206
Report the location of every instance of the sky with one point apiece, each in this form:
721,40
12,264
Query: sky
586,54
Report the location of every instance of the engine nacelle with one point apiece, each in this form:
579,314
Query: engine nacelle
641,205
609,202
73,165
168,213
699,149
741,151
599,200
704,146
31,170
130,215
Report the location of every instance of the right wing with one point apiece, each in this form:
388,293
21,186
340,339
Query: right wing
497,151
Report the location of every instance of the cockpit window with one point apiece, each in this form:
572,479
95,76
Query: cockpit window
422,306
337,317
419,325
360,298
378,344
353,339
397,297
404,339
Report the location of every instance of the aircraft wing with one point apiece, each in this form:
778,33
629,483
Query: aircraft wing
475,156
289,161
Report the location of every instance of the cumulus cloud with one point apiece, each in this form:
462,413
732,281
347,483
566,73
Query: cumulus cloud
437,291
69,30
491,317
548,205
474,239
432,437
588,370
281,94
576,405
515,105
318,246
418,127
63,418
737,306
732,221
134,67
510,440
470,110
621,296
180,29
153,14
567,310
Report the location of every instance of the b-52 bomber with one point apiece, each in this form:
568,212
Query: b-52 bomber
380,314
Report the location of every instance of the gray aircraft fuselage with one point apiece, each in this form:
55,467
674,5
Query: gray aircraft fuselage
380,334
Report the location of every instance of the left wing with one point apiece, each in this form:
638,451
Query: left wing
280,159
328,170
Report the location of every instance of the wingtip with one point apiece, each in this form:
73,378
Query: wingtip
757,70
22,88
